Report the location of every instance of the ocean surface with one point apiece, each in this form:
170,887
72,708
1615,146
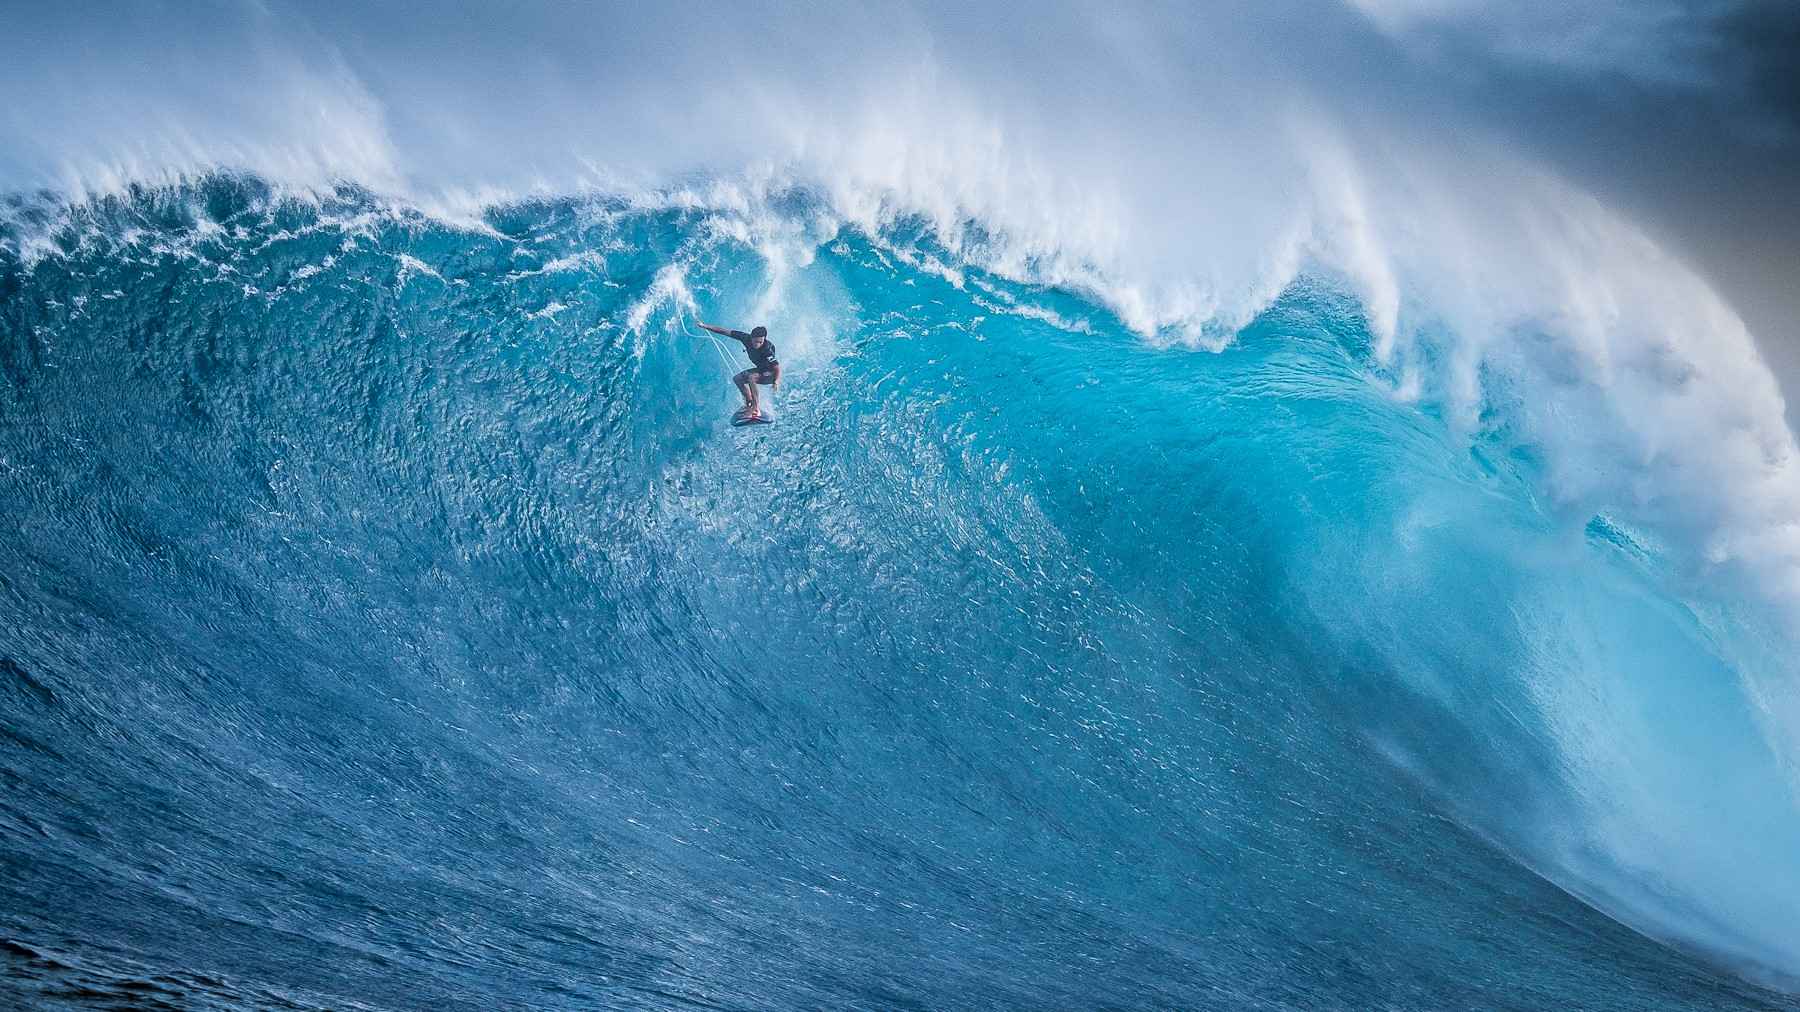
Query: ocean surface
391,619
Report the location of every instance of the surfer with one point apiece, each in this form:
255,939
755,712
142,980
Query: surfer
764,368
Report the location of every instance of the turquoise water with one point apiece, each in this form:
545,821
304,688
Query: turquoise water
391,618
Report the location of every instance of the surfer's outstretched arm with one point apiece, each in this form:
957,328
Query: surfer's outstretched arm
727,331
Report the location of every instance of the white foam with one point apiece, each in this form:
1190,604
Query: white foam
669,287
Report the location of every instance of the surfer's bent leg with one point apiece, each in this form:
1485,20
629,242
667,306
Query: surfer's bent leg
746,384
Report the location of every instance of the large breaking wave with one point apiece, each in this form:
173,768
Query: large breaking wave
1235,535
390,617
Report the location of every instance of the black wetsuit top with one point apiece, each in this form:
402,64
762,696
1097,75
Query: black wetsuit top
763,357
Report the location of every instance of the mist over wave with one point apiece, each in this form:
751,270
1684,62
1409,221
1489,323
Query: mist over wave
1242,413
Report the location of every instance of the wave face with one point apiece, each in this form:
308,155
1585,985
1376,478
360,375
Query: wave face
389,618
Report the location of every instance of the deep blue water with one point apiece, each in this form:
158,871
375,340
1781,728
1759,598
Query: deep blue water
390,619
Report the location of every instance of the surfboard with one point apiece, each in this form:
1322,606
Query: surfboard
739,421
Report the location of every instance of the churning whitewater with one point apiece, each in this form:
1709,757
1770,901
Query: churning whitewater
392,619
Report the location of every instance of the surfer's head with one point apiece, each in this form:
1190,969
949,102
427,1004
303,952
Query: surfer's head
759,334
